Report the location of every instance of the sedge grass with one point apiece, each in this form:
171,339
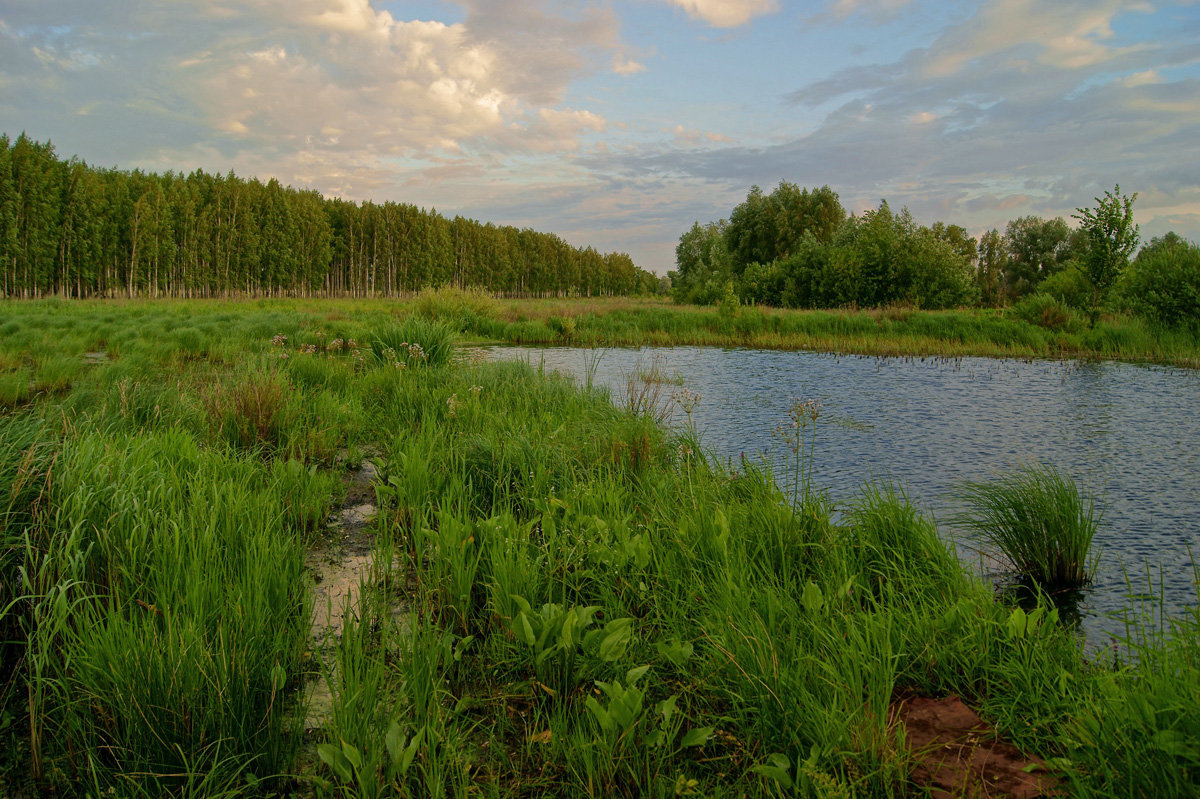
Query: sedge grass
1039,520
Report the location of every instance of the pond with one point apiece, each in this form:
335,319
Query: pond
1128,433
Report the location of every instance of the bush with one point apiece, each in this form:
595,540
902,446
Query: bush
1048,312
1163,284
1069,286
1039,520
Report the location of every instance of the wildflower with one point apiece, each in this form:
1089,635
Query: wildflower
335,345
475,390
688,400
279,340
452,402
416,352
309,349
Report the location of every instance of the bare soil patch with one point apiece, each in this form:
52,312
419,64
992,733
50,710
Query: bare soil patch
958,754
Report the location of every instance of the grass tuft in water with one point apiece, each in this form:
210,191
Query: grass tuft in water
1039,520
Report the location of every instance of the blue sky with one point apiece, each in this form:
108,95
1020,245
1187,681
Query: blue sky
618,124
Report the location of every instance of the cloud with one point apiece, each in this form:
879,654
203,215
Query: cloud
1069,35
883,9
623,65
1025,108
726,13
325,86
688,138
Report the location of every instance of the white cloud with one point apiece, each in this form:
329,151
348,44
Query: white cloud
311,90
1063,35
1147,77
623,65
726,13
877,8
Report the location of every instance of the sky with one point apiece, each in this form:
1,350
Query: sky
619,123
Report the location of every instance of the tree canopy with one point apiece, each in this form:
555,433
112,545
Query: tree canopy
72,230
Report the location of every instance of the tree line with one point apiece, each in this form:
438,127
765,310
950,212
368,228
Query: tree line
799,248
73,230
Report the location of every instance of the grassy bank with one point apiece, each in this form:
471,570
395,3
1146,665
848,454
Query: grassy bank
898,332
566,599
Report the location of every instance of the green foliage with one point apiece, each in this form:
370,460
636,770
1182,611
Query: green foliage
72,230
798,249
1163,283
1111,238
1036,248
1070,286
767,228
703,265
1048,311
462,307
1039,520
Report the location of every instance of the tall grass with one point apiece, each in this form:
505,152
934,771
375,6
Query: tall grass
566,598
416,341
1039,520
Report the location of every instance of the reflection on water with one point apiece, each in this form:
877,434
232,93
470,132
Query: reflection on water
1129,433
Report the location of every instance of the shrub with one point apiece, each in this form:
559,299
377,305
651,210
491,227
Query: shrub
1048,312
1069,286
1163,284
1039,520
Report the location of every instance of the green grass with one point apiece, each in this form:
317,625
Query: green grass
1039,520
563,601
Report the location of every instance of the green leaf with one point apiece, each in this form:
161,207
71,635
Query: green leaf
666,708
523,629
331,756
780,775
602,715
1017,624
697,736
394,740
811,598
411,751
278,677
353,755
617,636
635,674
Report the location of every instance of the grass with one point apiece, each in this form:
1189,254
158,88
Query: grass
566,599
1040,521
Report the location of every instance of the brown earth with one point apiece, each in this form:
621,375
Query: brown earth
958,754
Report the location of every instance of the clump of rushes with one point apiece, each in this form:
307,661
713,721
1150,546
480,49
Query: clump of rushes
416,341
1041,522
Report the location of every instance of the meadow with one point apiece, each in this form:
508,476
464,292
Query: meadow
564,598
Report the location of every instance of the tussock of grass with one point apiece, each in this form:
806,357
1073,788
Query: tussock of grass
1039,520
416,341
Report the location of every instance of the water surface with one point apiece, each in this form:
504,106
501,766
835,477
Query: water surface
1129,433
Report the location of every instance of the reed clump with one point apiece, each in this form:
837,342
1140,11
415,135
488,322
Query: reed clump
1041,522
